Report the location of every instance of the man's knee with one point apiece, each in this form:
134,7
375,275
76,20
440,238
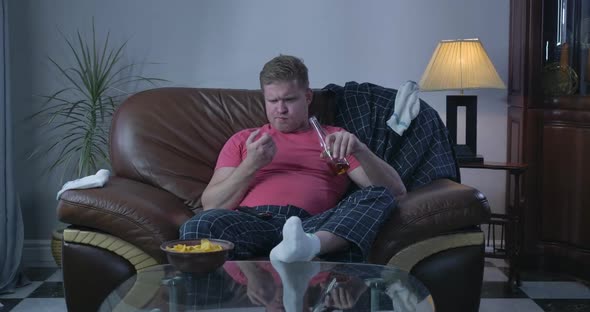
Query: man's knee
203,225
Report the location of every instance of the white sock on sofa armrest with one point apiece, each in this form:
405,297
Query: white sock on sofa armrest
95,180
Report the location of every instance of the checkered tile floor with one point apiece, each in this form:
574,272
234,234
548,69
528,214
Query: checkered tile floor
539,292
44,294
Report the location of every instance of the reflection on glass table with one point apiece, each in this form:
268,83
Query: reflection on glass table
272,286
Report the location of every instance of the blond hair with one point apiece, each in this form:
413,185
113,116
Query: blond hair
284,68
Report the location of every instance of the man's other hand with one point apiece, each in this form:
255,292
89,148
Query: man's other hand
260,150
344,143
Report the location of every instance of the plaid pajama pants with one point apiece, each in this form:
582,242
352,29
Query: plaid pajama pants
356,218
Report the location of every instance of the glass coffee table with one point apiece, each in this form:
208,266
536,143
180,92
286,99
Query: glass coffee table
272,286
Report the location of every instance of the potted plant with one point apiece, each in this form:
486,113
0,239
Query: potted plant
76,118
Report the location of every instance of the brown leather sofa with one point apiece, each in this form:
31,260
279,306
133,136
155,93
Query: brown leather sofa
163,147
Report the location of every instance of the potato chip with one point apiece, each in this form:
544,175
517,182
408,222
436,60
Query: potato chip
204,246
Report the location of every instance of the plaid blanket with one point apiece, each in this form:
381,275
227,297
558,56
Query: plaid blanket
422,154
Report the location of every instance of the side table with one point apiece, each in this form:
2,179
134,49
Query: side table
512,220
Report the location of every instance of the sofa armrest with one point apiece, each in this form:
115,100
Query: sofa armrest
441,207
136,212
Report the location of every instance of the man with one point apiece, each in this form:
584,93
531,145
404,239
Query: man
277,169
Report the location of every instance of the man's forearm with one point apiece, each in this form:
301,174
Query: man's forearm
228,193
381,173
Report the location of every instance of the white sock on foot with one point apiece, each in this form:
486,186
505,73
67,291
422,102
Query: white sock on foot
296,245
295,278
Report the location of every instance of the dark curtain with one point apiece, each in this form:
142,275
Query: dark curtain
11,223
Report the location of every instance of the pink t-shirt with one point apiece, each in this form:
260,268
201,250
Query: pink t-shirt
296,176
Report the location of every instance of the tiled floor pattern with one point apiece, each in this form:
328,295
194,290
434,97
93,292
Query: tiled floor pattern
44,294
540,292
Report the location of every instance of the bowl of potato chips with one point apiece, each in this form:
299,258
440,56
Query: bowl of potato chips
197,255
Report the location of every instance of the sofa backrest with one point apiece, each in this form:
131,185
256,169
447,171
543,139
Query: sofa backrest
170,137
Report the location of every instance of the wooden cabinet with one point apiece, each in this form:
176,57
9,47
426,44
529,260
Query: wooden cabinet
549,129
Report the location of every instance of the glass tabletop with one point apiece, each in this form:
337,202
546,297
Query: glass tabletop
272,286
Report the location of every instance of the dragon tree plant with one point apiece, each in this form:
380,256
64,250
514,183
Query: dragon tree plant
77,117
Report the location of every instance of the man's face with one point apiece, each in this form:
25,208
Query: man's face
287,105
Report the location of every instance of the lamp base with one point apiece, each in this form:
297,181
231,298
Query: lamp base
466,155
465,152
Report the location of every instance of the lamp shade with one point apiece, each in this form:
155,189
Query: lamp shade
458,65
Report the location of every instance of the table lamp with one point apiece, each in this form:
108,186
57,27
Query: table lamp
459,65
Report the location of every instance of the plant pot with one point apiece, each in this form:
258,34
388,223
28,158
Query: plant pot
56,241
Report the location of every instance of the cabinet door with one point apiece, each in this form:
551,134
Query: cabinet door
565,48
565,185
